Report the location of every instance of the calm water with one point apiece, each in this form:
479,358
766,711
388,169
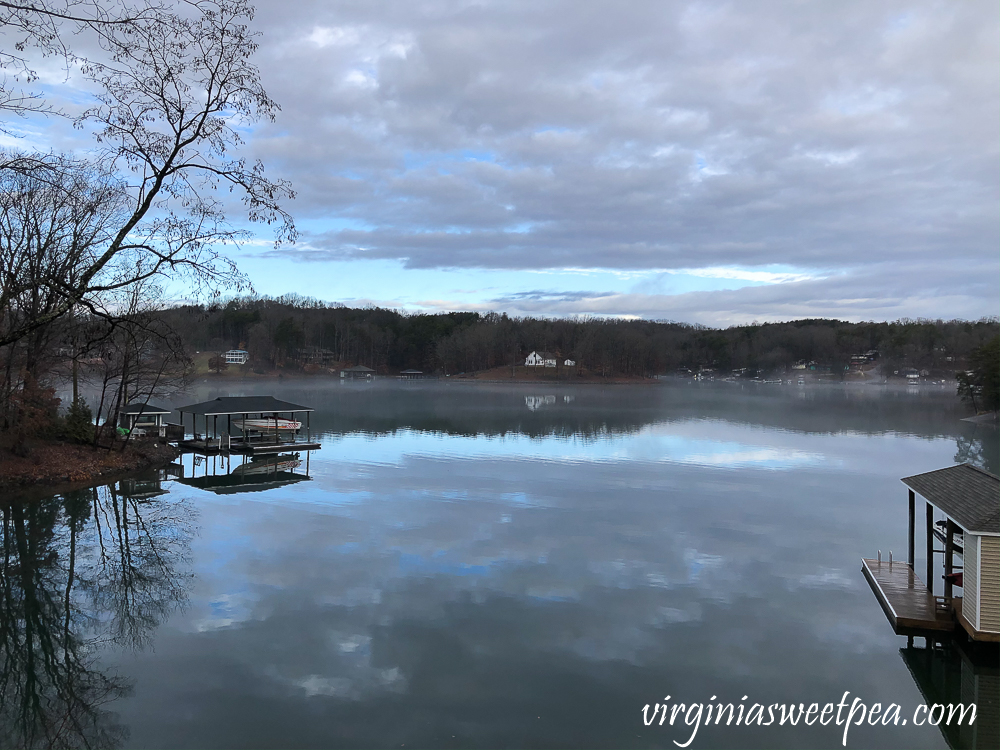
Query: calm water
484,566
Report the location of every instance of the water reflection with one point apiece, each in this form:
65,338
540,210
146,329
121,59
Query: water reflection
534,403
955,672
220,475
82,571
147,484
980,447
477,410
488,574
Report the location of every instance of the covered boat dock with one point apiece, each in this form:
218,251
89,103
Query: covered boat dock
252,441
968,498
144,418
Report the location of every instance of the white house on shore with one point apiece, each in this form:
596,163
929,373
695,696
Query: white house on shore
540,359
237,357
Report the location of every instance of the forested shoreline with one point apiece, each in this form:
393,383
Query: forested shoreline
292,332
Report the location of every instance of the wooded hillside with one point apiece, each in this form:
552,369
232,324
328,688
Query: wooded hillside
292,332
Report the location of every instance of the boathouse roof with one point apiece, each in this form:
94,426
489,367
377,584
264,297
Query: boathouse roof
144,409
242,405
970,495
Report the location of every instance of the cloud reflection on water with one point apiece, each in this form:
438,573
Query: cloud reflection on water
467,584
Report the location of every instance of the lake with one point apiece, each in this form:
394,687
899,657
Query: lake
470,565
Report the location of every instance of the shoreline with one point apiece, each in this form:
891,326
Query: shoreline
55,466
300,378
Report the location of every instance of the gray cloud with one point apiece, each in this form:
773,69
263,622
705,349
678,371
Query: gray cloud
646,135
857,143
883,291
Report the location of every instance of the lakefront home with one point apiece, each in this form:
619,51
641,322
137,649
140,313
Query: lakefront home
540,359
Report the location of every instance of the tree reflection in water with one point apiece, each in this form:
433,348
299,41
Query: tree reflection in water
81,571
980,448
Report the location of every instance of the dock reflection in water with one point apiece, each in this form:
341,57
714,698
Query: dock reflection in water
952,672
258,473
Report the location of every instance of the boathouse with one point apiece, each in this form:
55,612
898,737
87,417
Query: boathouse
264,425
962,513
358,372
144,419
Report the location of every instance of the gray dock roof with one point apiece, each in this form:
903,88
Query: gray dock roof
144,409
970,495
242,405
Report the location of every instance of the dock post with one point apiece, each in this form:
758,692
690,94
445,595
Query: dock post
949,549
909,546
930,547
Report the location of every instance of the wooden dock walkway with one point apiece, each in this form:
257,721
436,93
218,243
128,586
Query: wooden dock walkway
910,607
251,448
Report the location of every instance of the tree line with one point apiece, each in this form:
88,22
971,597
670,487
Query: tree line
292,331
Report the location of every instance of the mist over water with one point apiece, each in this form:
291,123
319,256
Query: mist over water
486,565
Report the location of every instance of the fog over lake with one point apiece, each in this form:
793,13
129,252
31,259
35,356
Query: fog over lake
473,565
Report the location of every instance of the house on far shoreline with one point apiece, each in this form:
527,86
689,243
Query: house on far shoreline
540,359
359,372
237,357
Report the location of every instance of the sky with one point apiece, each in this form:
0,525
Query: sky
703,162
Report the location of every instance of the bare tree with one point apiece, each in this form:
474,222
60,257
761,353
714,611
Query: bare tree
173,85
141,356
49,26
54,220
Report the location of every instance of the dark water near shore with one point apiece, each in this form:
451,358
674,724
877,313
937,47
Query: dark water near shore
484,566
